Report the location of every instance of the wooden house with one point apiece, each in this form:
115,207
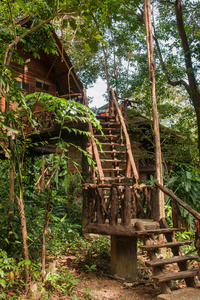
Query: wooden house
51,73
113,202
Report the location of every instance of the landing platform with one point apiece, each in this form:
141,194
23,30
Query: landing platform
182,294
119,229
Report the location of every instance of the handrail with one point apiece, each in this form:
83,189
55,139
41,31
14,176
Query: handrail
179,201
128,143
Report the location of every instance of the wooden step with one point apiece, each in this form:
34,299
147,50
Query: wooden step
113,160
112,129
170,260
112,151
106,170
163,245
107,136
159,231
109,123
176,276
116,178
111,143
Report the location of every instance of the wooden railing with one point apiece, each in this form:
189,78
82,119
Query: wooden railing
123,203
176,213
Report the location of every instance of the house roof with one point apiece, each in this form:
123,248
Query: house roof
67,81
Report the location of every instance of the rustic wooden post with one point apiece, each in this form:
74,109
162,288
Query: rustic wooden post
84,97
126,206
148,201
124,256
123,248
197,240
139,204
111,105
197,235
128,166
91,204
114,205
154,202
100,218
125,106
176,214
134,206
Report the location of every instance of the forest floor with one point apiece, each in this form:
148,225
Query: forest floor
95,281
81,271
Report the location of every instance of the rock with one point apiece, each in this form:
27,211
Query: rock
182,294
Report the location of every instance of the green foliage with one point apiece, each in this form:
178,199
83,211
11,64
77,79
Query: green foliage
61,281
184,181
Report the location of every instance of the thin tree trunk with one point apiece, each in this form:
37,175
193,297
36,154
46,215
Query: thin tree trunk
43,258
24,236
156,131
42,175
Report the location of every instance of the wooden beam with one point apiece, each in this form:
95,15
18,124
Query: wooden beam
70,95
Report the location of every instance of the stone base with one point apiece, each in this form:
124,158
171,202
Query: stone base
182,294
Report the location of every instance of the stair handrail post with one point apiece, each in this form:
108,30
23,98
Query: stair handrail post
84,97
128,143
111,105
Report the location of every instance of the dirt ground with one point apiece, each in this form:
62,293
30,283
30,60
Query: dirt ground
98,284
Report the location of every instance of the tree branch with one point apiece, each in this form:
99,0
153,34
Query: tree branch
172,83
13,22
17,39
193,90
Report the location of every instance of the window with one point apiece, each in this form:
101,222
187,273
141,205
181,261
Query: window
45,87
19,84
38,84
42,86
25,86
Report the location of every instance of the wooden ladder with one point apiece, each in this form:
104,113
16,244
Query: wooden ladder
158,265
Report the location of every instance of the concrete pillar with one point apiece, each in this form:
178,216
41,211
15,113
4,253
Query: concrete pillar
124,256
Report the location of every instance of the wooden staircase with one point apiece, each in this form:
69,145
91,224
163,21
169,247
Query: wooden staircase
113,154
115,162
158,265
113,200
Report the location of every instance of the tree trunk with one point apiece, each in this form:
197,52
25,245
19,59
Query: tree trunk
42,175
193,88
43,257
24,237
156,132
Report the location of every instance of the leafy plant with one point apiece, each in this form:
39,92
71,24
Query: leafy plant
61,281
